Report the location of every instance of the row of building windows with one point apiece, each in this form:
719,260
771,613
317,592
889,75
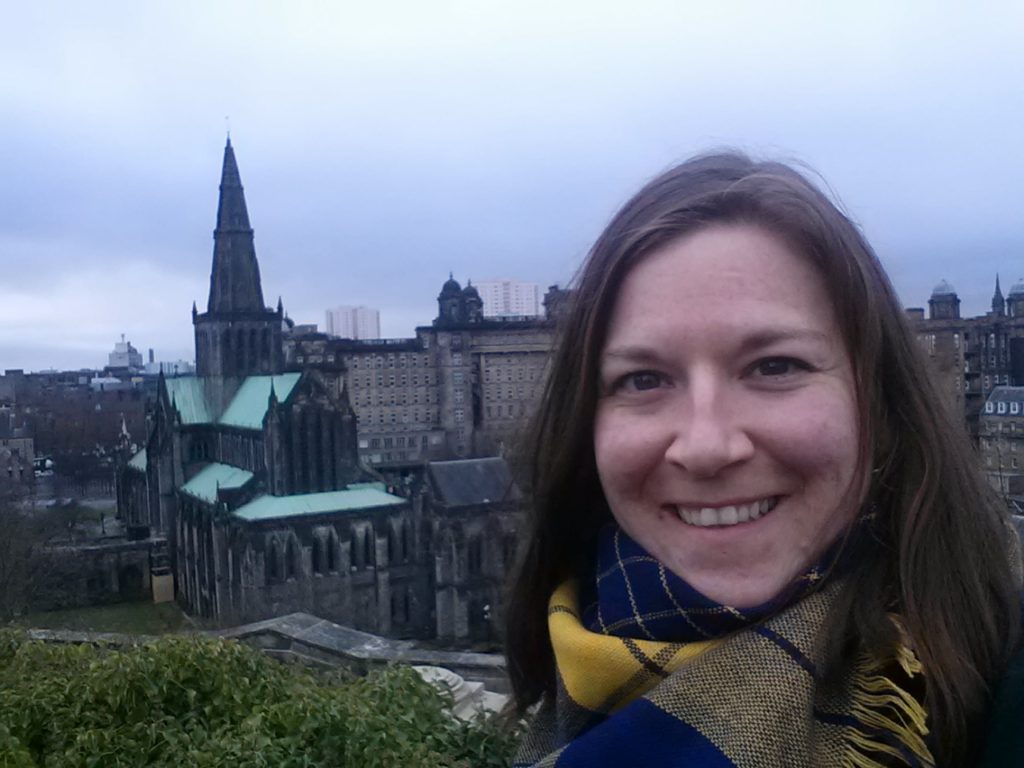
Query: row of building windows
1001,464
391,398
509,373
282,559
395,416
390,361
505,393
1002,407
393,380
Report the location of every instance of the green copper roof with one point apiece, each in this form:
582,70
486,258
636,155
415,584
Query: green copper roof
249,405
138,461
352,499
213,476
188,396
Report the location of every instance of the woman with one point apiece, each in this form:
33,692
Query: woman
759,539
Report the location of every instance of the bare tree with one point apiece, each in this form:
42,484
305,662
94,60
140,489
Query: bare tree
28,566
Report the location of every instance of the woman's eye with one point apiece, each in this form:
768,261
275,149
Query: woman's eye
640,381
779,366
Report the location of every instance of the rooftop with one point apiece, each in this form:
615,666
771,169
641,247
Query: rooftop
138,461
249,405
213,476
472,481
356,497
189,397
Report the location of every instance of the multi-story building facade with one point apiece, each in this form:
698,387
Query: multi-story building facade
973,356
124,356
464,386
352,322
509,298
1001,440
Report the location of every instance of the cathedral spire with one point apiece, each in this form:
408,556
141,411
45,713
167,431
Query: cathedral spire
235,279
998,303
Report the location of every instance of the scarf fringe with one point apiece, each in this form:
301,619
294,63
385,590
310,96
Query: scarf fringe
883,706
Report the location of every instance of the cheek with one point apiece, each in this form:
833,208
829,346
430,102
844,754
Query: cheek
823,448
625,450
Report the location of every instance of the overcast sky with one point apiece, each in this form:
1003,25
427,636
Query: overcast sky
382,146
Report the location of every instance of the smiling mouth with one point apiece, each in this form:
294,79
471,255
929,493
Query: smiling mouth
707,517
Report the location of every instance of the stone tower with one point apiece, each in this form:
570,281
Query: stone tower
238,335
944,304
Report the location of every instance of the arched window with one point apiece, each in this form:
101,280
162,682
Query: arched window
265,356
405,541
226,350
332,551
253,352
475,555
291,558
240,351
273,562
319,555
368,547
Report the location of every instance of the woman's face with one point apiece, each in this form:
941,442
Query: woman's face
726,431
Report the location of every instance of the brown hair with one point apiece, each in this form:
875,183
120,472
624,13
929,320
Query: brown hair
938,556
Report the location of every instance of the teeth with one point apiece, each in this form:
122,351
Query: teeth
706,517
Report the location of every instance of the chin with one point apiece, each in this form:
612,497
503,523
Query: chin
741,592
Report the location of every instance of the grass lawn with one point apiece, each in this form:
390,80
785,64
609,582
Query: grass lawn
141,618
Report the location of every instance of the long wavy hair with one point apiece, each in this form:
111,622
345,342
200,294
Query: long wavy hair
939,554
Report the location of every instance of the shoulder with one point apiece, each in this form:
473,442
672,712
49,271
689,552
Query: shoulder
1005,742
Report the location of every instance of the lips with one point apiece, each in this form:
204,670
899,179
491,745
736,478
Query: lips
733,514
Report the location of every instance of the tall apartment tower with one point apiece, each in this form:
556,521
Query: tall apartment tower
353,322
509,298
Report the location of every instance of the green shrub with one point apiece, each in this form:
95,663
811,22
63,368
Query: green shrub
201,702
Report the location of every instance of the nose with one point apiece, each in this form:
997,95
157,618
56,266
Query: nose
708,436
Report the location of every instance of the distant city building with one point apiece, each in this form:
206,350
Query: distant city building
464,386
353,322
509,298
170,367
105,383
972,356
17,453
125,356
1001,440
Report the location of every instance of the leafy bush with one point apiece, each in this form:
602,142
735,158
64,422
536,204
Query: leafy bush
200,702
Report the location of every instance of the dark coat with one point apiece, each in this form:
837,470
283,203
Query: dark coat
1004,747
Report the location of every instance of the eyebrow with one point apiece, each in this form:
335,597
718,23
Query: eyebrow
756,340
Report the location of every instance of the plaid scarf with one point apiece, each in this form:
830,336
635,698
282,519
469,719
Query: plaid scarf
652,673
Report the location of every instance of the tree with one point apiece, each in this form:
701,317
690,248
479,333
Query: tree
27,566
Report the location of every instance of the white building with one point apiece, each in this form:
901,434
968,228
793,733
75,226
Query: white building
509,298
124,355
353,322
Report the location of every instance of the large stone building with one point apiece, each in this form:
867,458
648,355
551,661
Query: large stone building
253,478
973,356
1001,440
462,387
